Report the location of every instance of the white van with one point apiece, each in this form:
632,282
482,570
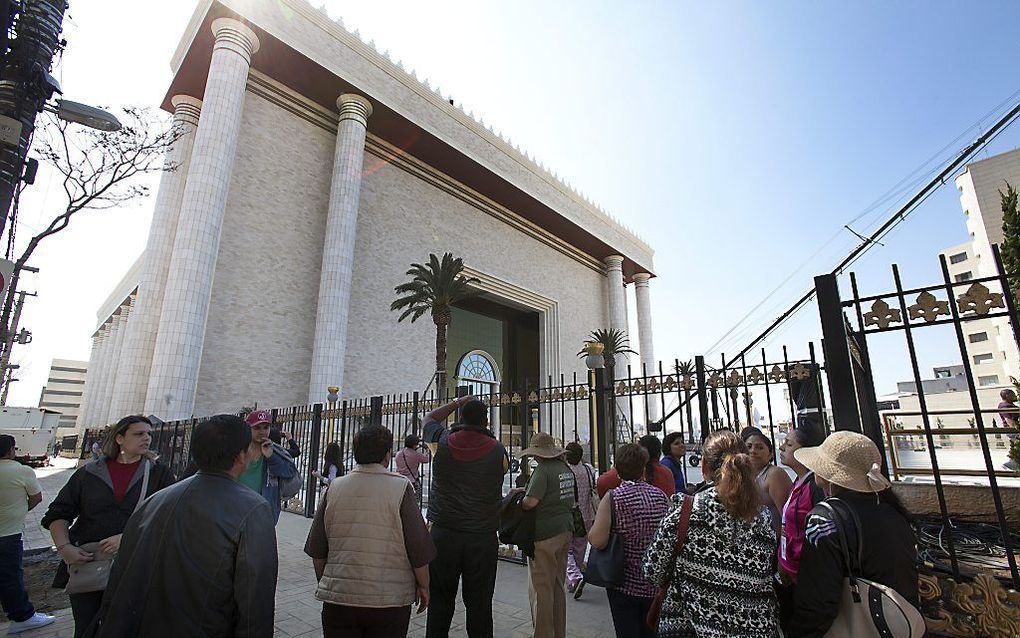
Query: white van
34,431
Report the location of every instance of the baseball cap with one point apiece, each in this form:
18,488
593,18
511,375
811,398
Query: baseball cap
258,416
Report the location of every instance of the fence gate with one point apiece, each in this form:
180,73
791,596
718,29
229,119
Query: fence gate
917,444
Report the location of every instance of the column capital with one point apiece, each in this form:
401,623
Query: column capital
614,262
236,36
641,279
186,108
354,107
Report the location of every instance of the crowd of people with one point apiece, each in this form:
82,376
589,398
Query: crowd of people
746,552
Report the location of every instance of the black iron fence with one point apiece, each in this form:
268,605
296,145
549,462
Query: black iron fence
908,311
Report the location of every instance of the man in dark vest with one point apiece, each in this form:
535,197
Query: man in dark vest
466,492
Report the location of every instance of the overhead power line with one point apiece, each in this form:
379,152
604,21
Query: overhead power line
890,223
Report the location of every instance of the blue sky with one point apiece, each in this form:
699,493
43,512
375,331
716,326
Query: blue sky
736,137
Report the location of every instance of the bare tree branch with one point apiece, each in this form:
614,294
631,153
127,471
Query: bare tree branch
98,170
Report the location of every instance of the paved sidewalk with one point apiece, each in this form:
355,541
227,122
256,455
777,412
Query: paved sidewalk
297,611
51,478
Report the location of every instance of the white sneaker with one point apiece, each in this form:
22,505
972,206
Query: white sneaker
36,621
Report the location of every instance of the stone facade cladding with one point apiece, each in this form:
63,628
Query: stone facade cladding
258,344
328,44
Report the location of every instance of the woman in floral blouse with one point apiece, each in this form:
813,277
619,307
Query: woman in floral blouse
722,581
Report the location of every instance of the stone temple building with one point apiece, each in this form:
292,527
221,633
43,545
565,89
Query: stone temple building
311,172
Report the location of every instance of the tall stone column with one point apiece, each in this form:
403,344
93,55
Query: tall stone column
645,347
88,392
104,414
178,350
140,334
617,301
618,321
330,345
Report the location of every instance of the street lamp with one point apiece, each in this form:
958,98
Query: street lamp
85,115
594,358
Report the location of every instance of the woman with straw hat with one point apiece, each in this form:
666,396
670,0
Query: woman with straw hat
847,466
550,493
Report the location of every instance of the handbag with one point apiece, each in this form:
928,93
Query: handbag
606,566
580,530
869,609
655,611
95,574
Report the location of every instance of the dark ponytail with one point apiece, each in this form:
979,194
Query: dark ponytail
652,444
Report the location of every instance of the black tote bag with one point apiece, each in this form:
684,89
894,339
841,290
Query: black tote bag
606,566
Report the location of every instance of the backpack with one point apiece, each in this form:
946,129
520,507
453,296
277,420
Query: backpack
869,609
289,488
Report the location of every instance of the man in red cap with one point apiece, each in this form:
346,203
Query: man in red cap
272,464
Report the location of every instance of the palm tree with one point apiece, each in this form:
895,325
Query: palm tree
687,369
614,342
434,288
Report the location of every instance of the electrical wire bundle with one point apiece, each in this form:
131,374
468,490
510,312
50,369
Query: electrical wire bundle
979,547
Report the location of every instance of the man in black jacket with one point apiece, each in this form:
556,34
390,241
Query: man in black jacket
464,503
198,558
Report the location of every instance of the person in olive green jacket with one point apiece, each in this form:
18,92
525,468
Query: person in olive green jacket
550,493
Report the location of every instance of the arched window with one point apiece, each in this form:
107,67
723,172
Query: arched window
479,372
477,366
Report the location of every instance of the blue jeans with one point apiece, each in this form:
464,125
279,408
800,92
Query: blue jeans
13,596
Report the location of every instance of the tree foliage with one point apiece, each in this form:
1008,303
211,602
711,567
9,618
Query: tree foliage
97,170
1010,248
434,288
614,342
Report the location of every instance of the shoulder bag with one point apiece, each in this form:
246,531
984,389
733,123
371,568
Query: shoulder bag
606,566
869,609
95,574
655,611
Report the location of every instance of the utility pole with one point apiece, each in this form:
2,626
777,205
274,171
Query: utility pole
11,337
25,84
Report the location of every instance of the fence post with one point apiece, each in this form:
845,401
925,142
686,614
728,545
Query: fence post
414,414
846,414
602,407
313,456
699,371
375,411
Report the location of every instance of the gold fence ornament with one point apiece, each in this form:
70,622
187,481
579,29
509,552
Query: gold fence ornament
714,380
978,609
800,372
778,374
734,379
516,398
754,376
979,300
928,308
882,315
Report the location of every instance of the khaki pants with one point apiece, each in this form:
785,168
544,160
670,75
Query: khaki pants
546,586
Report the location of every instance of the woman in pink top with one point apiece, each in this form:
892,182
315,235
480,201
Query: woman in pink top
410,458
803,496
